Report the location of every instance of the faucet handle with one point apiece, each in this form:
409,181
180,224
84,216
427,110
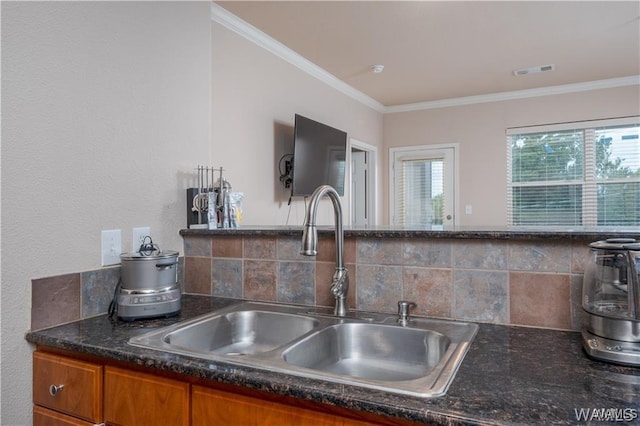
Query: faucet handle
403,311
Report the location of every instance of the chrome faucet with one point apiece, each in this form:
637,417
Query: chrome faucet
340,283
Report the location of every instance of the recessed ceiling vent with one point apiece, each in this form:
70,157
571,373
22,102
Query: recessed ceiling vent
534,70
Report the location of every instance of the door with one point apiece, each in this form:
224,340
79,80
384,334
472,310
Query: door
215,407
422,185
362,191
359,188
132,398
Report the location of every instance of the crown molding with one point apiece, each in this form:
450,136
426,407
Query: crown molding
633,80
251,33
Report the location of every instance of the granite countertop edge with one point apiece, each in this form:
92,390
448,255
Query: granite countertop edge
574,234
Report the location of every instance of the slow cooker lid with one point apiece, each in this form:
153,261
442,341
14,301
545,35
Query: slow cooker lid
149,255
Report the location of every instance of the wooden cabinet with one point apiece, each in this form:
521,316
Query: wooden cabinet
132,398
66,386
93,393
212,407
45,417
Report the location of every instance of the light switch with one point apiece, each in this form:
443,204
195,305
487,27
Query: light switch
111,247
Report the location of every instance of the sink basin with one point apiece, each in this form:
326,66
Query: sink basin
370,351
246,329
240,333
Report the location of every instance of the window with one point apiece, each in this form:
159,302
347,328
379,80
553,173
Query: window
422,186
575,174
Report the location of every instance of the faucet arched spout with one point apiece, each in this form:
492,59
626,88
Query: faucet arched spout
340,284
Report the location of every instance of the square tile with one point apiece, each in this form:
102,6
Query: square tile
480,254
197,246
226,275
481,296
288,248
581,255
327,249
259,248
373,251
197,275
260,277
431,289
227,246
540,256
296,282
98,288
379,288
55,300
426,252
540,300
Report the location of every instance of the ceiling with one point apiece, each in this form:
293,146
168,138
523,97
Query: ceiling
438,50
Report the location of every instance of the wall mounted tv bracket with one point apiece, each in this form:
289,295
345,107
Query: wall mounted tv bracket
285,167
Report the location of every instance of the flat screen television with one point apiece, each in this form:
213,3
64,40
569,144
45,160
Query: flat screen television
319,157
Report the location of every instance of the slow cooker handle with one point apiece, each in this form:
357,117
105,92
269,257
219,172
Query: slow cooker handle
163,266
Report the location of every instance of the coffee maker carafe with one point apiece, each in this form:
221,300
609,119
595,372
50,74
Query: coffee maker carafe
611,301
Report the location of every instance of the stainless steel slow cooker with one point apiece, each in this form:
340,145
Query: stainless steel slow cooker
155,270
148,285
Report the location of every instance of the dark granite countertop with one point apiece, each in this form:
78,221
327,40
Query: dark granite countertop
511,375
496,233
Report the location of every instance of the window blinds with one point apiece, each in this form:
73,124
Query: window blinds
419,185
574,174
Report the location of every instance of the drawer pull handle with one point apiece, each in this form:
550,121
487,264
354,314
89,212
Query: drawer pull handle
54,389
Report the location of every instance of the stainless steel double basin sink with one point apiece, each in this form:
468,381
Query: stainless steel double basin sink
368,350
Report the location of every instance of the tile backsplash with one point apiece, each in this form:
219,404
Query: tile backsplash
519,282
64,298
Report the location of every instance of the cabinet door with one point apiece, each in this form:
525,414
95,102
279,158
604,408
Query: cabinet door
132,398
45,417
67,385
217,408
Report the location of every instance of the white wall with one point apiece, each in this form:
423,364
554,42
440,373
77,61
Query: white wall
255,95
480,132
105,110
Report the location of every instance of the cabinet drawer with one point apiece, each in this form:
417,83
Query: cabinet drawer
45,417
68,385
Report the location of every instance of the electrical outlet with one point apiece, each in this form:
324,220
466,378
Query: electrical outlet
138,237
111,247
468,209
